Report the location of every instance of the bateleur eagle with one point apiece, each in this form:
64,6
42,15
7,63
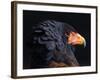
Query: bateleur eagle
54,44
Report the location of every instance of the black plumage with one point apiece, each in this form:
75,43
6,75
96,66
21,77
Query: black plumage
50,47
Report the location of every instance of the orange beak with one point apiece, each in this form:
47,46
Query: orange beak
76,39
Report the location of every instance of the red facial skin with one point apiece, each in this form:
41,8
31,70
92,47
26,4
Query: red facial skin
75,38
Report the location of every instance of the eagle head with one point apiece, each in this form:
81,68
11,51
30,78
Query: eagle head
75,38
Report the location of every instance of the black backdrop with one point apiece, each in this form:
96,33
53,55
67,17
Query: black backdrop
80,21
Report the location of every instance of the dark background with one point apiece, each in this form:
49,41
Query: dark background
80,21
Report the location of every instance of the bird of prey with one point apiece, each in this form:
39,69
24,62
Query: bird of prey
54,44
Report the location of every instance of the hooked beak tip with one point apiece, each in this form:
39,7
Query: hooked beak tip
84,42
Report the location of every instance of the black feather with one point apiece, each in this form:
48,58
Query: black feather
50,44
